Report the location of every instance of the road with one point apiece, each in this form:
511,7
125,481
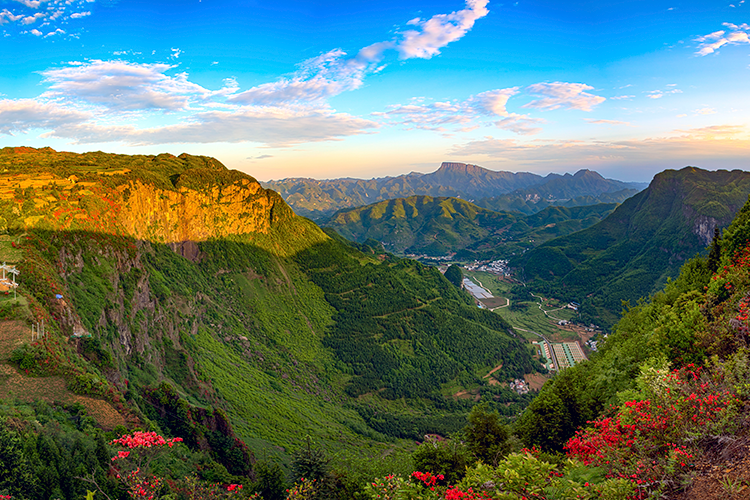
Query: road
551,351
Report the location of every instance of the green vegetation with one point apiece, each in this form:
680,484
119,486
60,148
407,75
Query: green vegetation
439,226
630,254
454,275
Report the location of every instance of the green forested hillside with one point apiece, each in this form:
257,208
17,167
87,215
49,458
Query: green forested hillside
438,226
630,254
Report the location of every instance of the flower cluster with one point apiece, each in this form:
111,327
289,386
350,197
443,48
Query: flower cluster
645,440
145,440
456,494
427,478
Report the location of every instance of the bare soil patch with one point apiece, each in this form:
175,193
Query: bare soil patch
494,302
16,385
535,380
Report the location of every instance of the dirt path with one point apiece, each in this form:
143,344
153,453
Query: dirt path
15,385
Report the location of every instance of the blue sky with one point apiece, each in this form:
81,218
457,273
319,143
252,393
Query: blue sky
360,88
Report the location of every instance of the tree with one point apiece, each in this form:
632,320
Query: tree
14,469
486,437
544,423
454,275
448,458
270,482
714,255
310,462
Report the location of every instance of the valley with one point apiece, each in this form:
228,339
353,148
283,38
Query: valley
180,296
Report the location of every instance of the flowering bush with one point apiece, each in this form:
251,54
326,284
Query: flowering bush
131,466
646,442
194,489
518,476
303,490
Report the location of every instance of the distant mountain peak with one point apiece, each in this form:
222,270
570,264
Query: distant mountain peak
463,168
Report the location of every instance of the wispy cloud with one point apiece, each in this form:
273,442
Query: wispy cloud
486,106
658,94
557,95
335,71
431,35
273,127
710,43
23,115
720,143
607,122
123,86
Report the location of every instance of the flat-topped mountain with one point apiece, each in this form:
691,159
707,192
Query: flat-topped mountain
320,198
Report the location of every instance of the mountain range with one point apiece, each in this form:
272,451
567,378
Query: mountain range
174,295
523,191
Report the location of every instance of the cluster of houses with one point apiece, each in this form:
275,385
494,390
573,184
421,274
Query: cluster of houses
495,266
520,386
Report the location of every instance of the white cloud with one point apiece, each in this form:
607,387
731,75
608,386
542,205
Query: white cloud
435,33
175,53
713,41
335,71
36,32
658,94
621,97
563,95
22,115
6,15
606,122
705,111
520,124
124,86
51,15
32,4
681,147
440,114
271,126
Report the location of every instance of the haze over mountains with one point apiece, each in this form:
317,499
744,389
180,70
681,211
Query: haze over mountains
523,191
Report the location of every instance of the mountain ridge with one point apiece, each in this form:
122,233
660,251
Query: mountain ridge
320,198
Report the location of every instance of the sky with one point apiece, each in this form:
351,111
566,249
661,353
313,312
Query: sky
363,88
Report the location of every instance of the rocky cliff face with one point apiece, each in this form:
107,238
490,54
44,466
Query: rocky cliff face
162,199
167,216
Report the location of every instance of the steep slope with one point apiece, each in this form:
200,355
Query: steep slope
631,253
440,226
188,290
320,198
672,376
